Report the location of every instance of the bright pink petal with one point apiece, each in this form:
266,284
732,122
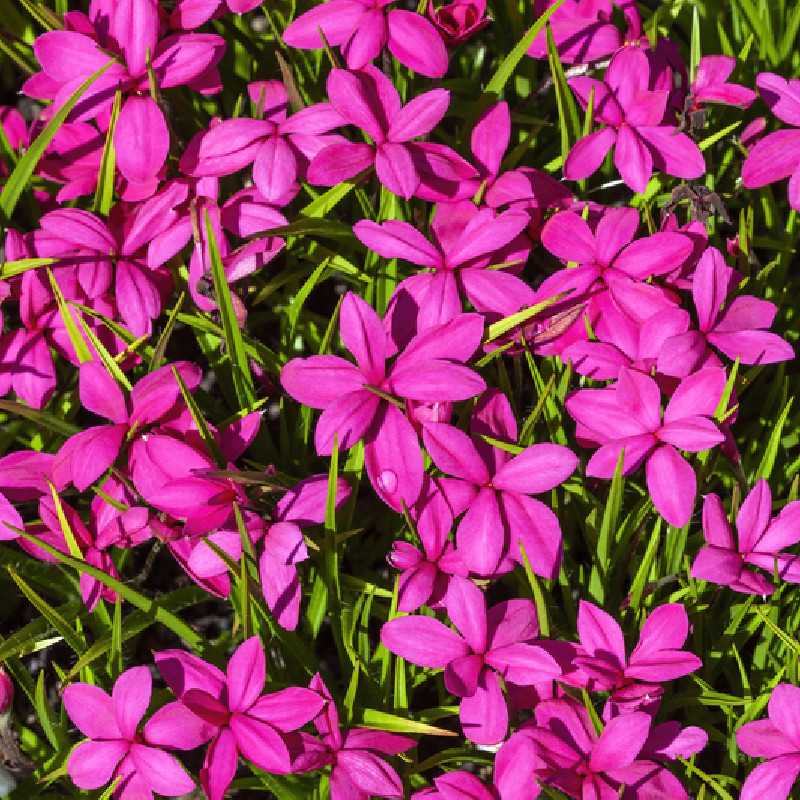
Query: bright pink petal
771,159
161,771
246,674
633,159
394,239
466,606
175,726
600,634
337,19
772,779
673,152
319,381
141,139
419,116
620,742
568,236
91,764
588,153
416,44
130,698
536,469
484,716
672,485
423,641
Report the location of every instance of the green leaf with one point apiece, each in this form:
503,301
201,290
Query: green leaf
240,366
51,614
104,193
569,123
325,203
381,720
19,178
8,269
502,326
773,445
43,419
78,343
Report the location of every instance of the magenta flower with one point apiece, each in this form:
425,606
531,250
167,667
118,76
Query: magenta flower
114,748
459,20
738,331
625,343
362,28
430,369
760,540
128,30
425,575
367,99
280,146
711,85
489,645
777,155
357,770
500,513
776,739
632,117
466,240
627,416
229,710
610,261
584,765
634,681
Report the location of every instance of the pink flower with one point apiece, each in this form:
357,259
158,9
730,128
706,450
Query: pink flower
627,416
611,261
86,455
459,20
776,739
280,145
489,645
632,117
777,155
425,575
466,240
230,711
738,331
711,85
760,540
430,369
634,681
583,764
496,487
362,28
357,770
367,99
6,692
129,29
114,748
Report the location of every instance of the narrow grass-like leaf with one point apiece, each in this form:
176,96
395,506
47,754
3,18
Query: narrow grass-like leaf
104,193
240,367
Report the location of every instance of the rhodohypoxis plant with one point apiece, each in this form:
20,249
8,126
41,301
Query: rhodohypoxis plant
739,330
362,28
229,711
583,764
634,682
633,124
356,756
627,418
759,543
367,99
776,739
114,748
131,31
501,517
361,401
490,644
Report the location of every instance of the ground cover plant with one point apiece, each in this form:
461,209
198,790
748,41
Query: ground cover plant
399,400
